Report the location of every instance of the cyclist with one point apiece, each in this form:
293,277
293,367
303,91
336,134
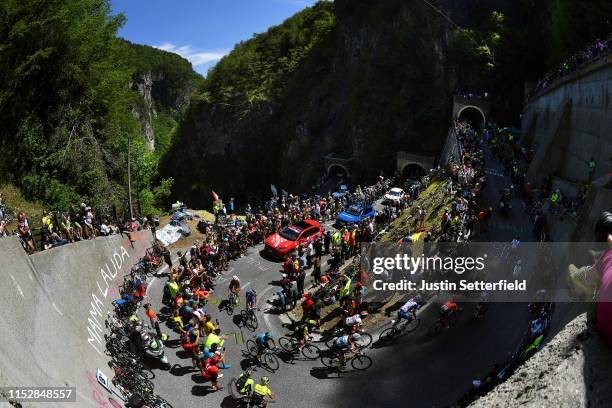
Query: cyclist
447,310
355,322
407,311
251,298
234,287
302,331
263,342
260,392
346,343
244,383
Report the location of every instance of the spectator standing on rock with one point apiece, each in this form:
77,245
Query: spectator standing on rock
598,277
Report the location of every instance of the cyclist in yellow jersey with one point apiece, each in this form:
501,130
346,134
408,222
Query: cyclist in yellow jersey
260,392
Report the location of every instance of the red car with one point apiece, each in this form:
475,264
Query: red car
289,238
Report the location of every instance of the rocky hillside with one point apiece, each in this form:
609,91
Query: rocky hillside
166,82
570,371
361,79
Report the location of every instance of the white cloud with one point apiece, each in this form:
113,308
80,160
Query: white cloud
187,52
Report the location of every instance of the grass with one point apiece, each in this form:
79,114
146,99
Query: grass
14,199
433,200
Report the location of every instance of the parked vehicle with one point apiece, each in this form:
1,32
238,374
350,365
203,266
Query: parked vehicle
355,214
288,239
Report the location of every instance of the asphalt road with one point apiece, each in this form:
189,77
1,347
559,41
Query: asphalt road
415,370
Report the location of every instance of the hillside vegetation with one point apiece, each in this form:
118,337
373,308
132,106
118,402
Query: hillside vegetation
67,107
362,79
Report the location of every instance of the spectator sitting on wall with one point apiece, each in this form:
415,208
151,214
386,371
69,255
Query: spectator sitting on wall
25,233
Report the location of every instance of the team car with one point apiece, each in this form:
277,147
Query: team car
291,237
355,214
394,195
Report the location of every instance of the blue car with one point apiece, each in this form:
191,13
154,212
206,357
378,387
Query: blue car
342,191
354,214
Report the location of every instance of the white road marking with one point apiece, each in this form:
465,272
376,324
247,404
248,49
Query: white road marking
18,287
247,284
149,285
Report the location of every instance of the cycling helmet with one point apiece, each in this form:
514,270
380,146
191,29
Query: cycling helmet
363,313
264,380
270,335
236,278
355,336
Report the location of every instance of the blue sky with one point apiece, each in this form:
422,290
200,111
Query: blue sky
201,30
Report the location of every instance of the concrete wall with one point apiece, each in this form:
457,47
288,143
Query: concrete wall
53,307
450,151
571,123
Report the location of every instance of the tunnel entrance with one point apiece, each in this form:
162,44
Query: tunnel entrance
337,170
472,115
413,171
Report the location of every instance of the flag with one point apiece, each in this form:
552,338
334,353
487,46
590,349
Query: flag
215,197
284,193
274,190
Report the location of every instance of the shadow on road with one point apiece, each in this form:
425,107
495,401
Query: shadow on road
179,371
266,255
201,390
230,402
323,373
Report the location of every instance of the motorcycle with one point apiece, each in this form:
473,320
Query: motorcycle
152,348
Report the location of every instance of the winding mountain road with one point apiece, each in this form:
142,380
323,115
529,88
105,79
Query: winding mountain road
415,370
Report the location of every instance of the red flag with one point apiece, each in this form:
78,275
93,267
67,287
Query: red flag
215,197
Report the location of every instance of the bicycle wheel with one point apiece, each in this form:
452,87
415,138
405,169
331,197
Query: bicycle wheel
229,308
146,373
412,325
251,347
252,322
365,340
387,334
271,361
330,359
361,362
311,352
329,342
287,344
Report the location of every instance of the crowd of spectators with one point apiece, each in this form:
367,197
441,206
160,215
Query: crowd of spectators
57,228
590,53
